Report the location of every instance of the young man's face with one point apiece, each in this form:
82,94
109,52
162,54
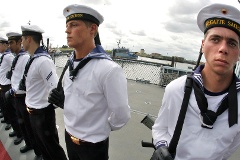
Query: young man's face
25,43
221,49
14,45
78,33
3,47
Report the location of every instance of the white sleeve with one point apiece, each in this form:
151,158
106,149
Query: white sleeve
115,90
49,74
233,147
164,126
160,127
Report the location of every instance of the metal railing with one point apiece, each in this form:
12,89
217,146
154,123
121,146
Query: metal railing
140,71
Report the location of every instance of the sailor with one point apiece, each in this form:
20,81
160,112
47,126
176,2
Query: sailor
15,74
9,111
211,129
40,78
96,99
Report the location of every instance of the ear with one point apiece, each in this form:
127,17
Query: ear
203,45
94,28
29,39
19,41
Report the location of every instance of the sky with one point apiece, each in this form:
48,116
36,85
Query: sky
157,26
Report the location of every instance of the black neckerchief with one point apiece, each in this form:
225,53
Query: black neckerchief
9,73
39,52
81,64
22,52
97,53
5,53
229,102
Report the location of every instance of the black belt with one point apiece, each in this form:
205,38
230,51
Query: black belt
19,95
78,141
5,87
39,111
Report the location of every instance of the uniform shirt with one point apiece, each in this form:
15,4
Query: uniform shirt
40,80
18,71
195,142
96,102
5,67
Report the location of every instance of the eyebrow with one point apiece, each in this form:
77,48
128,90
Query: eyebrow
228,38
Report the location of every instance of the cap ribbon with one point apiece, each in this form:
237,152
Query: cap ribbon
222,22
82,16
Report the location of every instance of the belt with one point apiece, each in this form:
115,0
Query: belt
39,111
19,95
78,141
5,87
30,111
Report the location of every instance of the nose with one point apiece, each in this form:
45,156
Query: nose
223,48
67,30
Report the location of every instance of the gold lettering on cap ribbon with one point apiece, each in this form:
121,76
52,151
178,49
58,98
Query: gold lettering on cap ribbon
234,25
222,22
214,21
76,15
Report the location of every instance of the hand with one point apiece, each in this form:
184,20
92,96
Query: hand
161,153
57,97
22,85
9,94
9,74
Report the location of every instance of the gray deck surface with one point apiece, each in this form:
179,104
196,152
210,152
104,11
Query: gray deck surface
125,144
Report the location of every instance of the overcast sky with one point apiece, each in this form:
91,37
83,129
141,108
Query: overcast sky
157,26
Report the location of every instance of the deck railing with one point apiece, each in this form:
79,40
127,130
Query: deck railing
140,71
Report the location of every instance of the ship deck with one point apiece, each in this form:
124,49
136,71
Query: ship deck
125,144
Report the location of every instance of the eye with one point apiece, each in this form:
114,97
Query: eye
215,39
71,25
232,43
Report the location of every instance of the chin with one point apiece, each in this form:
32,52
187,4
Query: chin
69,44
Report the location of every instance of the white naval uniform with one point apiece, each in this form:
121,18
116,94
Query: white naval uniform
18,71
5,67
195,143
40,80
96,102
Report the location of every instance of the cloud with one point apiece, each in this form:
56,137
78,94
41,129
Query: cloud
154,25
4,25
183,16
138,32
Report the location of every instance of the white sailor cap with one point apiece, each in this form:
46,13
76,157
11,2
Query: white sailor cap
29,30
3,40
219,15
13,36
82,12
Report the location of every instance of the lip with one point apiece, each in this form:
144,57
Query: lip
221,61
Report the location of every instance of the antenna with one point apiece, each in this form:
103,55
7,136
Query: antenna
119,42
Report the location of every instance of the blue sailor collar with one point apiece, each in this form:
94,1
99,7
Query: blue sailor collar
197,77
22,52
98,53
41,52
7,52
